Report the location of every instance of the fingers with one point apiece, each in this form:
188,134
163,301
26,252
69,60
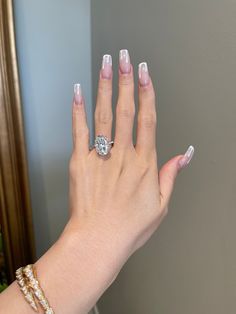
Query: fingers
125,109
80,130
168,174
147,119
103,110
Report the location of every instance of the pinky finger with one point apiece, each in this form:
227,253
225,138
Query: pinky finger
169,171
80,130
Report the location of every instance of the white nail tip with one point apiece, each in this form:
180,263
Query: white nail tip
107,59
142,68
77,89
189,153
124,55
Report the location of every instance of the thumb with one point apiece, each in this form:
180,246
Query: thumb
169,171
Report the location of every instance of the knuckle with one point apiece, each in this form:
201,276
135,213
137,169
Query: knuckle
103,117
81,132
152,159
126,80
147,121
72,165
148,93
77,165
125,112
105,87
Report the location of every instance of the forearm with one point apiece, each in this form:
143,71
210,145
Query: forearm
73,273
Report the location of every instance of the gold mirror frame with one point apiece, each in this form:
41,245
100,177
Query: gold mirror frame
15,205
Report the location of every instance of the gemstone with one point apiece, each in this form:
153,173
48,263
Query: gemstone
102,145
34,306
19,270
44,303
28,297
21,282
38,294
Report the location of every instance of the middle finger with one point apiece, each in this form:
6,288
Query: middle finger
125,109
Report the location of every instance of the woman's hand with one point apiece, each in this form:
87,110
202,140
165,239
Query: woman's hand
123,195
116,203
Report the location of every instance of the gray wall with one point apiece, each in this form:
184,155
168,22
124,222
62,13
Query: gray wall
189,266
53,46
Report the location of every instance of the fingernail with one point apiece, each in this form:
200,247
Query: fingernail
143,74
106,66
185,160
78,94
124,59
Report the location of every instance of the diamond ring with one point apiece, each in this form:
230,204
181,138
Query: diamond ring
102,145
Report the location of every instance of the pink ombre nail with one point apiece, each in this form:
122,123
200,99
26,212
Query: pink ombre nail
143,74
185,160
106,67
124,61
78,98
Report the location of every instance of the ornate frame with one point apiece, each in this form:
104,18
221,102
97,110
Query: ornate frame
15,205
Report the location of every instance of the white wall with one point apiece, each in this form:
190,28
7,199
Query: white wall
53,47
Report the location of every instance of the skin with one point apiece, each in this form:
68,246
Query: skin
116,203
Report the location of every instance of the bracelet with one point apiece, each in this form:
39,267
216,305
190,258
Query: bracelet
25,289
28,273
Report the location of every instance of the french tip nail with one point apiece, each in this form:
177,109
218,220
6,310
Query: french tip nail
106,70
77,88
123,51
185,160
106,60
78,94
124,55
143,66
189,153
124,61
143,73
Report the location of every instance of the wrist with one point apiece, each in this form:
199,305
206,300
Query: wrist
80,266
107,247
100,235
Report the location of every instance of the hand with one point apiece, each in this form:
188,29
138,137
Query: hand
124,194
116,203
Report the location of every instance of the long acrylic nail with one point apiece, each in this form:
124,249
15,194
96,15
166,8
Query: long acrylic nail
143,74
78,98
124,60
185,160
106,67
